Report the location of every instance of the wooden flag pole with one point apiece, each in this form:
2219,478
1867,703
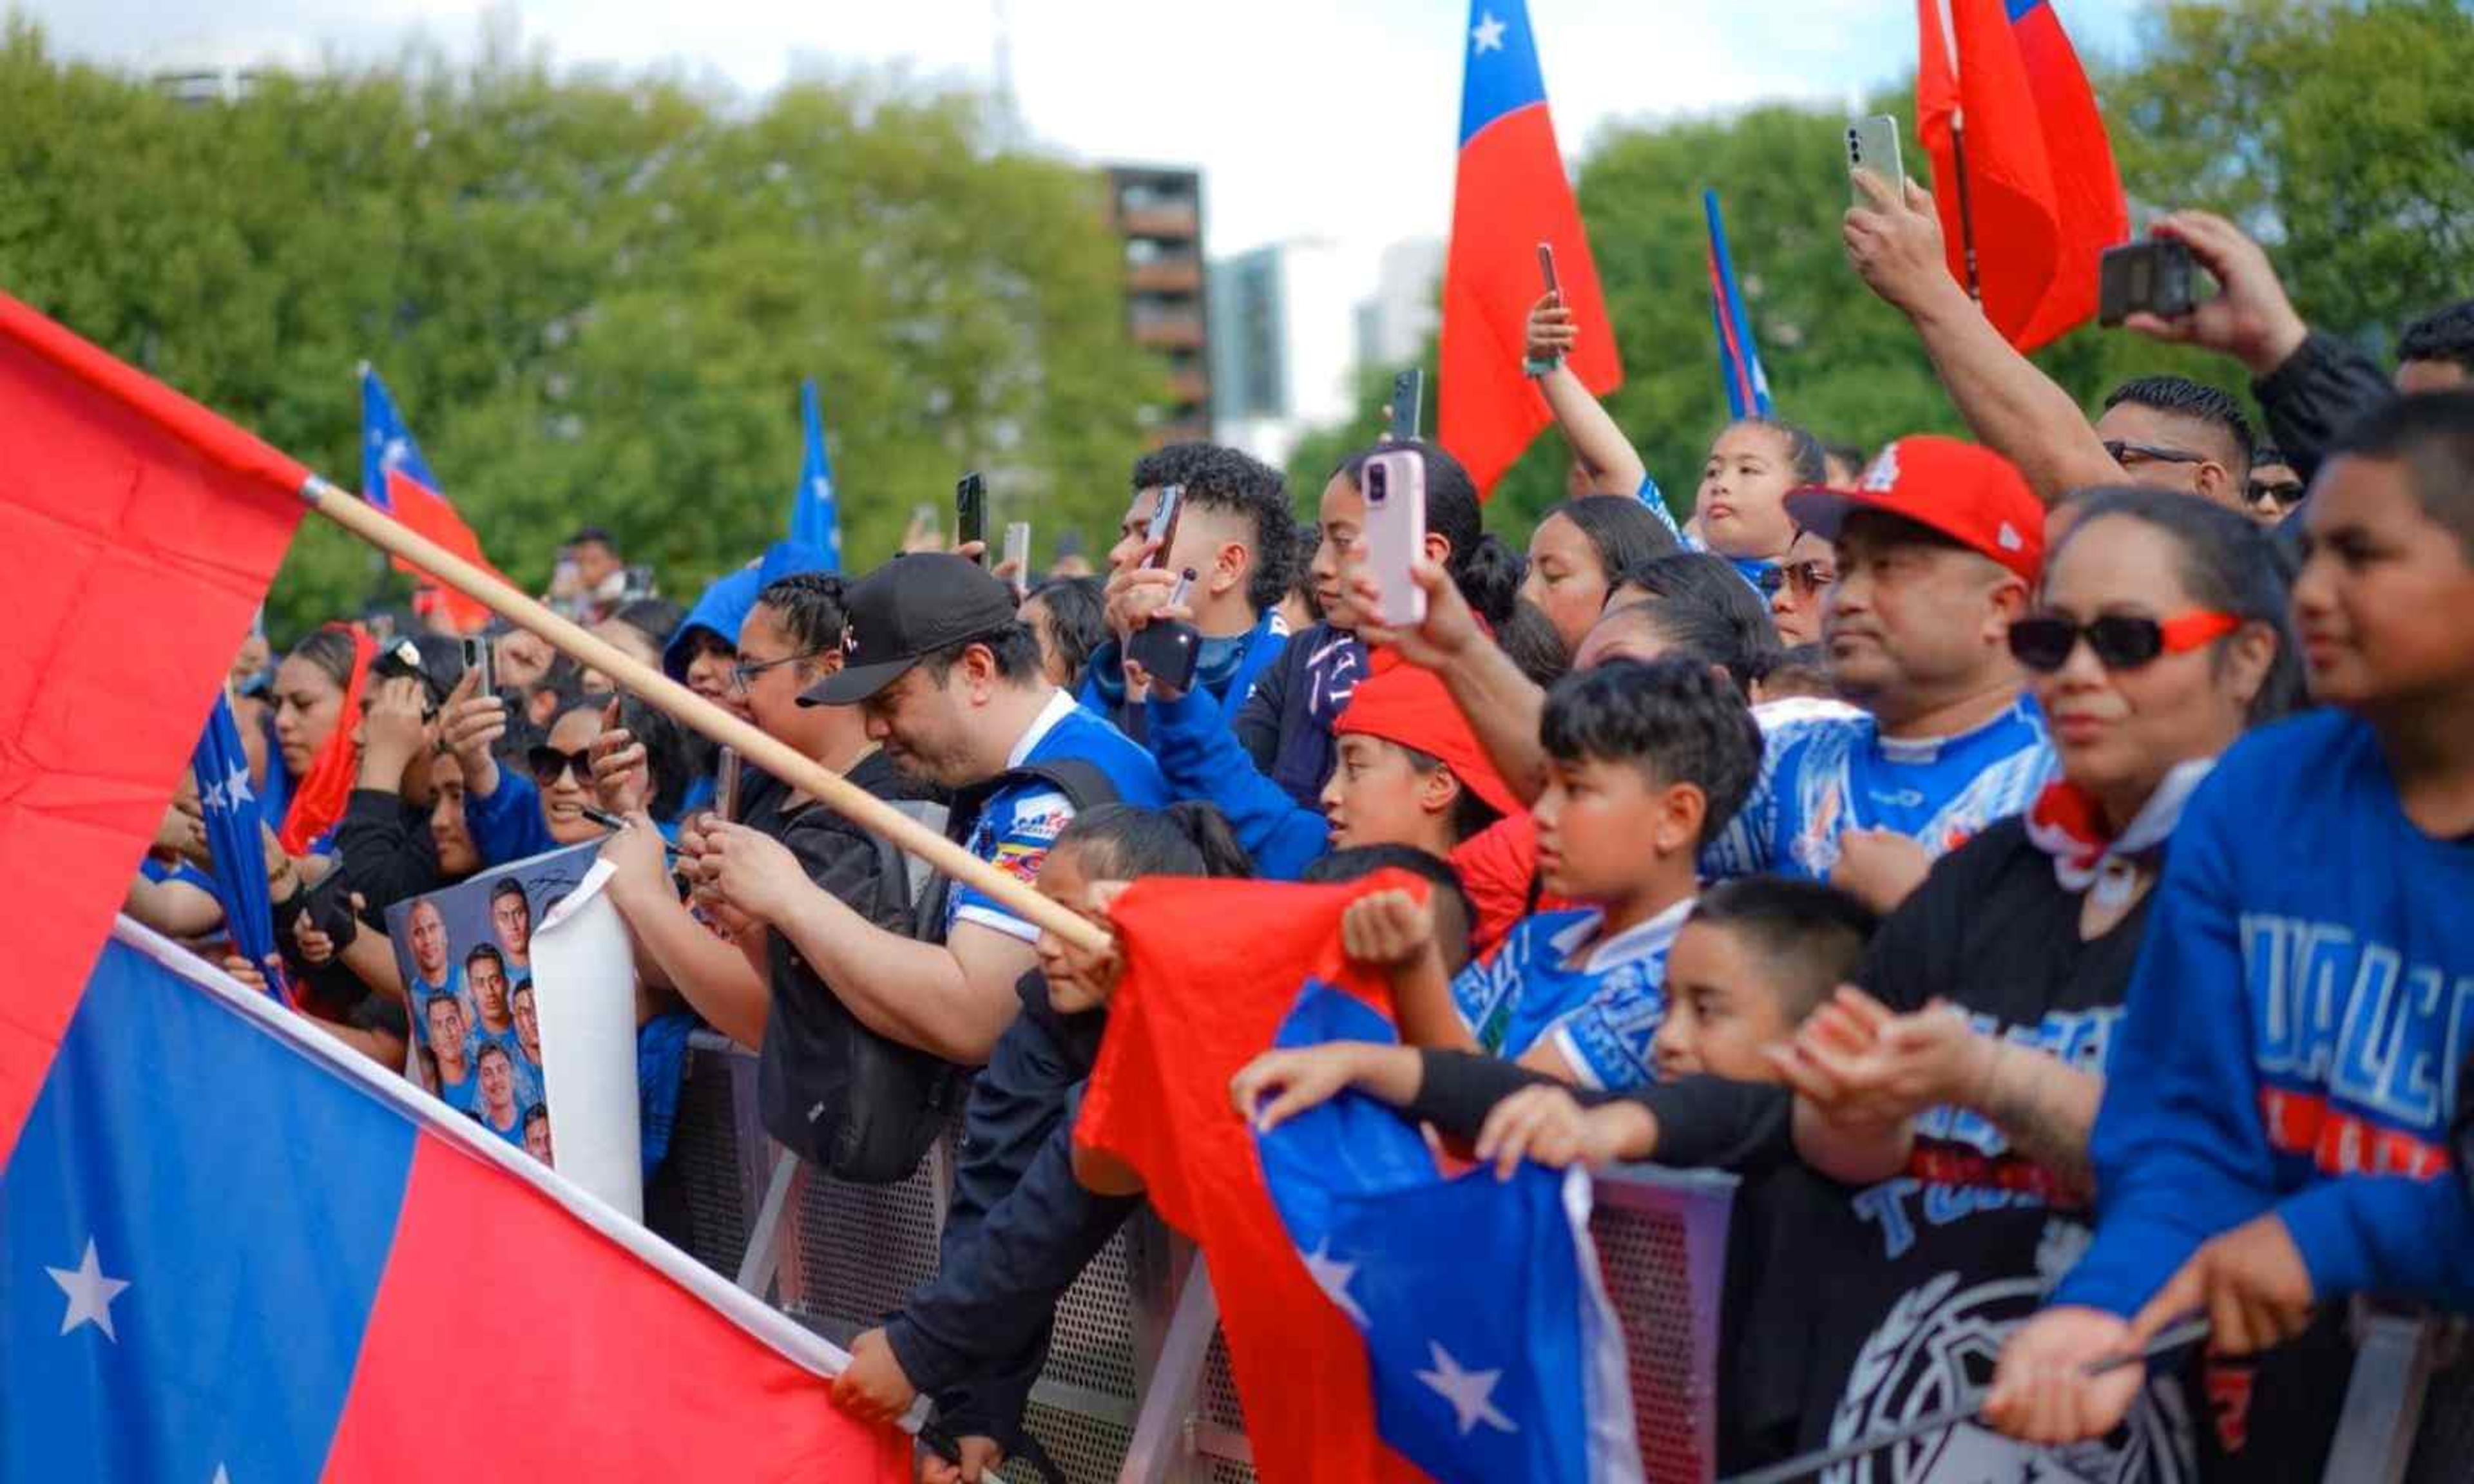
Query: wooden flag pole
690,710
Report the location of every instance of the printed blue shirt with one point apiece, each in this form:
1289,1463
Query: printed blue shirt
1021,821
1599,1012
1826,773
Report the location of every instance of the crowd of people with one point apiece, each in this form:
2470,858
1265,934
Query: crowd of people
2034,865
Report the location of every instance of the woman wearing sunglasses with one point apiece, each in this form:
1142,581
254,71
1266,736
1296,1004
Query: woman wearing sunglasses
1953,1086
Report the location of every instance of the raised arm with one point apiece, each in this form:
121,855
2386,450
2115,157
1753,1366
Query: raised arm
1502,705
1614,465
2014,409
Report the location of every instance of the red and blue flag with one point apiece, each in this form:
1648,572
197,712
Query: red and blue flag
1383,1322
230,806
1510,195
397,480
2040,194
1739,360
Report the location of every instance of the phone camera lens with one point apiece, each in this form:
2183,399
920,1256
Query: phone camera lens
1377,481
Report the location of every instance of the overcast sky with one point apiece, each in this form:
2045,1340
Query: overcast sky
1332,118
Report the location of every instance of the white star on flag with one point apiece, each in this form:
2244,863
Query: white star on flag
90,1294
1471,1392
213,800
236,791
221,1477
1489,33
1332,1276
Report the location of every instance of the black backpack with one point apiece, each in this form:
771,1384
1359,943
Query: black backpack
898,1098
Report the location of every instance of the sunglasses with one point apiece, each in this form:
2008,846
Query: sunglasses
2124,454
548,762
2284,495
1806,577
2043,642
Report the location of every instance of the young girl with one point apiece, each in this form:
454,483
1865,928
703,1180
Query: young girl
1020,1229
1579,554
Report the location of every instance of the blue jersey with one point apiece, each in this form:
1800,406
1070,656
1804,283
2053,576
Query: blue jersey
422,991
1824,775
2297,1025
1021,821
1599,1012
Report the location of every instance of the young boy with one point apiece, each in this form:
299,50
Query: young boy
2276,1110
1645,764
1755,957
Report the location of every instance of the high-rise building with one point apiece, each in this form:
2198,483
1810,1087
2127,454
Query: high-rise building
1158,211
1282,337
1394,325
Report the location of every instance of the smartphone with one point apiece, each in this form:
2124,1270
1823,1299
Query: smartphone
476,662
1017,554
1873,144
725,785
1546,268
1395,535
1408,396
1163,526
971,511
2155,277
1169,649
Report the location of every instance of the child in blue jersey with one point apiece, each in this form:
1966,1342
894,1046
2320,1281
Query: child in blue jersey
1644,761
1937,549
2274,1130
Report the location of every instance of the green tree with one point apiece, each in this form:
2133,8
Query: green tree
593,299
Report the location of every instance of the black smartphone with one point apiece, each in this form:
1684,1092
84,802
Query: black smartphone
1169,649
329,906
971,511
725,785
1546,268
2154,277
1163,526
1408,396
477,662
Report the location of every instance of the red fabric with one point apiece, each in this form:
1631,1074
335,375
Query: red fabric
1496,865
2063,819
137,535
2042,188
1408,706
1211,969
318,799
426,513
1511,193
510,1341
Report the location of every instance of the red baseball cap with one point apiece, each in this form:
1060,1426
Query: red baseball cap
1970,494
1409,706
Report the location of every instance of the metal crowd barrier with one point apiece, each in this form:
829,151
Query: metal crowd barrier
1137,1386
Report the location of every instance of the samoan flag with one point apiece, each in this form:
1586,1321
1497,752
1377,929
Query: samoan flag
396,479
1494,1350
230,806
814,519
1739,360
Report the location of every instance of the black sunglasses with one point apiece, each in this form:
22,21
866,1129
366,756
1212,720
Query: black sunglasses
2043,642
548,762
2123,453
2286,495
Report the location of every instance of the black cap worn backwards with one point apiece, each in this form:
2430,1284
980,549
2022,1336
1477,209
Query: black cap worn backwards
906,609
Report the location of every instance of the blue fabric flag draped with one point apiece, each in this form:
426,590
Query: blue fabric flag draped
1739,360
237,842
815,520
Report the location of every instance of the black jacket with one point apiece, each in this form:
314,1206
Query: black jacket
1019,1229
1277,726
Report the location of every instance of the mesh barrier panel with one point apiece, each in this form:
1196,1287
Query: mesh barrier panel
1645,1255
1093,1346
861,1248
704,1163
1085,1449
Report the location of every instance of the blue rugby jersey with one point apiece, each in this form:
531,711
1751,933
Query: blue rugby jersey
2302,1008
1599,1013
1823,775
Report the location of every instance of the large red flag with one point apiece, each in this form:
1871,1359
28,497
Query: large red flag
1192,1010
425,511
2040,184
1510,196
138,533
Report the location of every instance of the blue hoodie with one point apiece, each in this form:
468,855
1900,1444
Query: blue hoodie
2302,1007
725,605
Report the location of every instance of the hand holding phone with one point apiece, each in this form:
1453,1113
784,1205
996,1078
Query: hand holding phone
725,785
2152,276
1550,331
1873,144
1017,557
477,663
1161,533
1169,649
1395,535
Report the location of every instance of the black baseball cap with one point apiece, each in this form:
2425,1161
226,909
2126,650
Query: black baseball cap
905,611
